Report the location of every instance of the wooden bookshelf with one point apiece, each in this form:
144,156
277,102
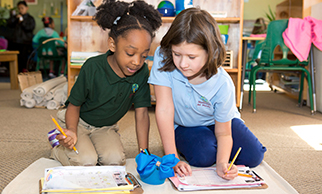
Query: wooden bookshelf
86,36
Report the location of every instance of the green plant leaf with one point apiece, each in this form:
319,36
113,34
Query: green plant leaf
269,18
270,15
271,12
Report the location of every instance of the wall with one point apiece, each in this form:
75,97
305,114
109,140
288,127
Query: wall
254,9
317,54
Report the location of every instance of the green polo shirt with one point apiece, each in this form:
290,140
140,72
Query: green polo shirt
104,97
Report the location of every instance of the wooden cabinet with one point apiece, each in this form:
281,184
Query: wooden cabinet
84,35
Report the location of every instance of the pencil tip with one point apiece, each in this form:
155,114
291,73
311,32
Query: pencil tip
76,152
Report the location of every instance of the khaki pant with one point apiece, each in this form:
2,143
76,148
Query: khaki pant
100,145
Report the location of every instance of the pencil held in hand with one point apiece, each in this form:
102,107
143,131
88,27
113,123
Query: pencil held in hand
232,162
62,132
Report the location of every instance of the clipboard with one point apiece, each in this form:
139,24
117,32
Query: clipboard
137,186
207,179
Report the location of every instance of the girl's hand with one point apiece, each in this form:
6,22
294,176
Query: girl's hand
183,169
222,171
69,141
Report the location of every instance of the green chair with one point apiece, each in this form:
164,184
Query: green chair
255,57
267,62
47,52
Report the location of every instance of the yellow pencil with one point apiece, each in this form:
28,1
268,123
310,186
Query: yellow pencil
232,162
246,175
62,132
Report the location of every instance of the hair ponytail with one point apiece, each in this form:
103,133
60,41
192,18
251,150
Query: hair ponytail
119,17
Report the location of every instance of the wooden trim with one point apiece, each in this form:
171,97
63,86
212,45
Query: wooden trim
239,64
219,20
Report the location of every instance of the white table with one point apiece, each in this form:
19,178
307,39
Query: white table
28,181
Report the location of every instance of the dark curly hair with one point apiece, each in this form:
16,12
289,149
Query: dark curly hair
120,17
47,21
198,27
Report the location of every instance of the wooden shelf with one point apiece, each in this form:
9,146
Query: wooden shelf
164,19
76,66
253,38
234,70
218,20
86,36
82,18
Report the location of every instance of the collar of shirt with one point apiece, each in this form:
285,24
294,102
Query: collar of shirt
204,89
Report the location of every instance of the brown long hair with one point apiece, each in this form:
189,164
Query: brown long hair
195,26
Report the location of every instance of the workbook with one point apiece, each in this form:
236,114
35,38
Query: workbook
88,179
207,179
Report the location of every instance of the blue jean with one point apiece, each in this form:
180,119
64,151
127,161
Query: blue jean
199,145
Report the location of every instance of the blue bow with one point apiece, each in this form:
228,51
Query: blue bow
146,164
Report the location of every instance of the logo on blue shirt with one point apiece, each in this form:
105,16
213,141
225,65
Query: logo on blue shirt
204,99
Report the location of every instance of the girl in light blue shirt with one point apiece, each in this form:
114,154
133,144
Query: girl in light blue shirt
196,110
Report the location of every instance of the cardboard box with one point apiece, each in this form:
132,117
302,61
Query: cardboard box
28,79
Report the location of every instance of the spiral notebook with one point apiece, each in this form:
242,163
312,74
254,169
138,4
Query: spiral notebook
207,179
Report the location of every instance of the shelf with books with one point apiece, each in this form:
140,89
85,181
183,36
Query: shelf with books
219,20
86,36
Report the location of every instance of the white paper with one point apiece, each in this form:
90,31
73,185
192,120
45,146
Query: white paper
88,177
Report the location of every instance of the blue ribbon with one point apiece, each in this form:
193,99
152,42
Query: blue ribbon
146,164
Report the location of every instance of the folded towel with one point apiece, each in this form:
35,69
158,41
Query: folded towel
301,33
50,95
28,92
60,97
297,37
46,86
38,99
41,104
22,102
65,88
53,105
316,31
29,103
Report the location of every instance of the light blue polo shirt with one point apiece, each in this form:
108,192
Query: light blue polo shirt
197,105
